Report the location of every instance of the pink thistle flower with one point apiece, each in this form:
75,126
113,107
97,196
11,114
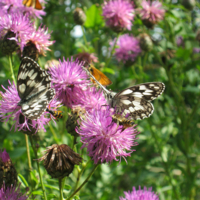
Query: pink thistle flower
145,194
9,108
18,24
17,6
9,6
69,81
118,14
4,156
152,11
91,99
128,48
12,193
104,139
40,38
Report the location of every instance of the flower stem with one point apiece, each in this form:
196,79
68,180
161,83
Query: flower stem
28,153
80,173
61,186
86,180
11,68
38,166
84,37
112,51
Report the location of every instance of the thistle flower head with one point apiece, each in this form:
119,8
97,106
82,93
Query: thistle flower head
118,14
18,24
40,38
59,160
4,156
69,81
12,193
92,98
152,12
86,57
104,139
9,108
128,48
141,194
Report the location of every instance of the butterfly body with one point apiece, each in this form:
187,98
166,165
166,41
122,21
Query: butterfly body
135,101
34,88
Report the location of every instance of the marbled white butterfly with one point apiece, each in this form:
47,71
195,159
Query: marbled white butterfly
133,101
34,89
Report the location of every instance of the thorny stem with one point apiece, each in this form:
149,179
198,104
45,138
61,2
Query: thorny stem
38,166
11,68
86,180
112,51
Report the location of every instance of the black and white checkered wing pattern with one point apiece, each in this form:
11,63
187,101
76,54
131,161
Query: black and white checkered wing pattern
33,86
135,101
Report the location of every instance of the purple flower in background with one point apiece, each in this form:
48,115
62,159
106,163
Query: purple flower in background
196,50
12,193
180,42
104,139
118,14
69,81
4,156
40,38
152,11
9,108
18,24
141,194
128,48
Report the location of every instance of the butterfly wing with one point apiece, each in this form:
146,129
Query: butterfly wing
32,3
100,76
135,101
33,86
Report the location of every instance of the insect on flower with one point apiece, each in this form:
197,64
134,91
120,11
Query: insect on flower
34,89
135,101
56,113
100,76
122,121
32,3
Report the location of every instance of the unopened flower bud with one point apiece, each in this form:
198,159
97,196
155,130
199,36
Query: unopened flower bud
188,4
79,16
145,42
72,121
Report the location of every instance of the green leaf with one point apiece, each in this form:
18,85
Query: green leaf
108,70
22,180
94,17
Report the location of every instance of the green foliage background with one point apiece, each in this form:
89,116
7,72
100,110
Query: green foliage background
168,155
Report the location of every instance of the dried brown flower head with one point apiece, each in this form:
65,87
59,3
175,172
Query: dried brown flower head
59,160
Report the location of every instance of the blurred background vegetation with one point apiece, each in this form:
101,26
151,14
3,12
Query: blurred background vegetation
168,155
